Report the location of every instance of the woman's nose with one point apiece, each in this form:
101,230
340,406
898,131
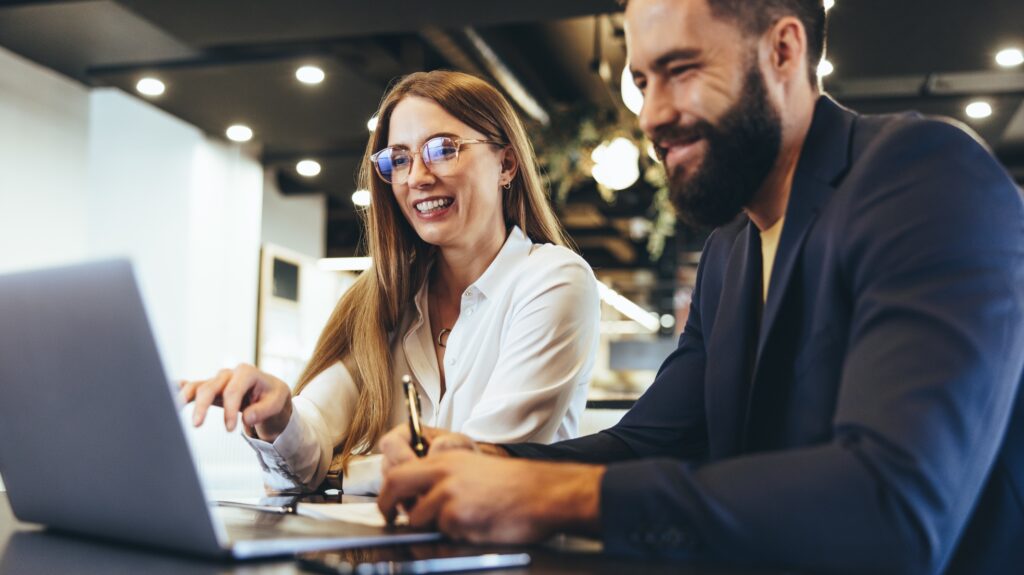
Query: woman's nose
419,174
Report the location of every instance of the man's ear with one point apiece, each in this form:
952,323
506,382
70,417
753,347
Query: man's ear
787,50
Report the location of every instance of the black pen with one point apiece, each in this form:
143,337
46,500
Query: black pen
412,399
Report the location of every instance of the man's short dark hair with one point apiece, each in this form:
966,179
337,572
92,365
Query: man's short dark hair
756,16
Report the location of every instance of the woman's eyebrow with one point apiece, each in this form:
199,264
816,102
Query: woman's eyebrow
431,136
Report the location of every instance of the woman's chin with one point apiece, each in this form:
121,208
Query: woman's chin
436,234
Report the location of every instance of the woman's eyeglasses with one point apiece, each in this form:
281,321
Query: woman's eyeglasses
393,164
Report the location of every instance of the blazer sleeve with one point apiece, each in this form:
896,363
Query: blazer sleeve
933,251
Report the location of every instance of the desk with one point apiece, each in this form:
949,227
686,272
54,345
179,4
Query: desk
29,550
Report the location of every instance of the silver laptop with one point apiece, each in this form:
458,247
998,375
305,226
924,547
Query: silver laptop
90,436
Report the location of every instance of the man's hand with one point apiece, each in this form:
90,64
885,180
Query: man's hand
396,445
479,498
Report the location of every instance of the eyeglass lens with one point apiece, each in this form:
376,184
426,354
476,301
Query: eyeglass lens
394,164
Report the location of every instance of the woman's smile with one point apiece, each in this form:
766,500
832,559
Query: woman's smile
433,208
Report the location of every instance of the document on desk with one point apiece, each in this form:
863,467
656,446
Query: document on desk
361,513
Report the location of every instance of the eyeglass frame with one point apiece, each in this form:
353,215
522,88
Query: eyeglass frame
459,142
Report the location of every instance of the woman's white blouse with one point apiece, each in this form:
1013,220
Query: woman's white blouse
517,365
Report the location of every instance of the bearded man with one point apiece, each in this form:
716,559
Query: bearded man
844,397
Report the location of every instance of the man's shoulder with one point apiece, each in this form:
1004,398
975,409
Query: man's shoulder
901,139
925,182
929,160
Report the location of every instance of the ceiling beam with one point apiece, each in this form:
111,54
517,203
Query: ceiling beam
952,85
203,23
365,57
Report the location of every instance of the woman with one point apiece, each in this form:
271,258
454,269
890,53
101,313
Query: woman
471,292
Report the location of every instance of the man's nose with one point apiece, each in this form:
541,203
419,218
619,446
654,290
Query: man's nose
658,110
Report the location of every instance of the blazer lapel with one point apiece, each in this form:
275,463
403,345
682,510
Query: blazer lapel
823,161
732,344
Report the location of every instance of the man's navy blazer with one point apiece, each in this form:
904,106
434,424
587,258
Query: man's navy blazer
867,418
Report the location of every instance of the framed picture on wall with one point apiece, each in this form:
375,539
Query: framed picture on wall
295,299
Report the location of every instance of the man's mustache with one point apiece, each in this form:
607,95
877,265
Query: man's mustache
665,137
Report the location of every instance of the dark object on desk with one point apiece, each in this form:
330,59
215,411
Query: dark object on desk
77,353
339,564
283,508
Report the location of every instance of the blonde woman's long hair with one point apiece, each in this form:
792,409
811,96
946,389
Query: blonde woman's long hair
359,330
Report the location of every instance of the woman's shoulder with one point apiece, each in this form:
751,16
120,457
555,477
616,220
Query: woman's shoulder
550,265
549,257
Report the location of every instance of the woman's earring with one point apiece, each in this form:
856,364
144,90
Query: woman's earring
508,186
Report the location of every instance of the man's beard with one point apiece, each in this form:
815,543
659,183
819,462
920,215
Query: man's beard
740,152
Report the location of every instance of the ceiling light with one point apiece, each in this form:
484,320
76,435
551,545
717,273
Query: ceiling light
616,164
344,264
829,4
308,168
239,133
310,75
372,124
1010,57
825,68
979,110
361,198
150,87
631,95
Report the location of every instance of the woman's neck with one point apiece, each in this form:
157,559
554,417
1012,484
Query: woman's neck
457,268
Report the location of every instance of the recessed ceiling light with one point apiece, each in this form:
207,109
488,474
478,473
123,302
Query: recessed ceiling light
239,133
825,68
310,74
150,87
1010,57
371,124
979,110
361,198
308,168
829,4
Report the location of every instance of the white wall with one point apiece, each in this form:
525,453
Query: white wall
187,209
88,174
44,124
297,223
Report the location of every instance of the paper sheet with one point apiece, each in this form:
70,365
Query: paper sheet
362,513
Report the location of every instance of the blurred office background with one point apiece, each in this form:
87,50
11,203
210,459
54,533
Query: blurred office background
216,143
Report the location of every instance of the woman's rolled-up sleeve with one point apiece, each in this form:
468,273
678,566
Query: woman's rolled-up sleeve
299,458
